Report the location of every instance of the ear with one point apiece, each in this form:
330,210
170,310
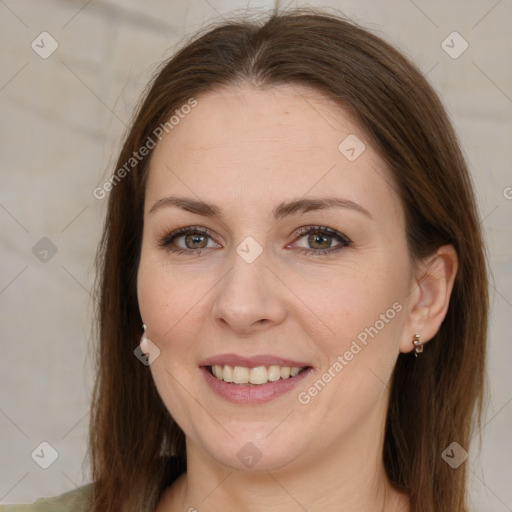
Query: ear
430,296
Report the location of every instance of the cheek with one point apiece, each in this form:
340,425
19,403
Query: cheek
363,313
176,387
351,301
153,297
360,356
166,299
166,302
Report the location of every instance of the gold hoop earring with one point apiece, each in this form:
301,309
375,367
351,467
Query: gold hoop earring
418,345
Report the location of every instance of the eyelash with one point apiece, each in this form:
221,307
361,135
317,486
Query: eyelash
196,230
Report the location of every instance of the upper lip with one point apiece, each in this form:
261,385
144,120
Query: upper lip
252,361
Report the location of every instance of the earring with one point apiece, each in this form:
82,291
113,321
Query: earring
143,338
418,345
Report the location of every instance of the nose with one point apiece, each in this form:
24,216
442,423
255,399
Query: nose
250,297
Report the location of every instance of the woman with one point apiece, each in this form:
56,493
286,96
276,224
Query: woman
293,292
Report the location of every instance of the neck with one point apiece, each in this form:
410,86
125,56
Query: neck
348,477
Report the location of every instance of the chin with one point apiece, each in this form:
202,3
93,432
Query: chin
243,455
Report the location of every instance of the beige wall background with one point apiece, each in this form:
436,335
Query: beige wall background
62,118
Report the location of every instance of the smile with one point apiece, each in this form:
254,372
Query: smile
257,375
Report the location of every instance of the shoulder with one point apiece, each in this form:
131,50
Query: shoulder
77,500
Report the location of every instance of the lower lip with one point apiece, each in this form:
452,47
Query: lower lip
253,393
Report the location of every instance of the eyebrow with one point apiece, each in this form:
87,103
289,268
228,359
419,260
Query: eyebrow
280,211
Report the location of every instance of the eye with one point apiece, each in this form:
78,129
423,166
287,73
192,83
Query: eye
320,237
194,238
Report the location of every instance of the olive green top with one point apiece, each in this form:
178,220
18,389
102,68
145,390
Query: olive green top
76,500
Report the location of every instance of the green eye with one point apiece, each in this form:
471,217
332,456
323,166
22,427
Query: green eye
195,240
321,236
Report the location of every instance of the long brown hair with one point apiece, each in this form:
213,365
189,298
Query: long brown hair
136,448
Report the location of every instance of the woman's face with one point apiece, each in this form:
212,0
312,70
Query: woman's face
254,282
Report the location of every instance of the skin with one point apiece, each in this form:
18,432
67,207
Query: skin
246,151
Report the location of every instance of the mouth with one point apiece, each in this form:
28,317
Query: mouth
253,379
254,376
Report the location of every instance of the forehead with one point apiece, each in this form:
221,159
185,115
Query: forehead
263,146
291,117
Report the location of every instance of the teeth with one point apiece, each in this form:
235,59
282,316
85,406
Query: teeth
240,374
257,375
227,374
217,371
274,373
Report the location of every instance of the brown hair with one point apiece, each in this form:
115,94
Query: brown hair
136,448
